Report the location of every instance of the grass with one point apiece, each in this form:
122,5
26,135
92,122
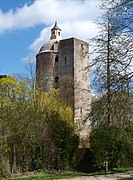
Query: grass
35,176
44,175
49,176
127,178
122,170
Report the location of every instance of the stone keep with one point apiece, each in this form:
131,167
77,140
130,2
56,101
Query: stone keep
64,64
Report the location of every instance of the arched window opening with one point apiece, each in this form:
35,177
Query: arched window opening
65,60
56,82
65,85
57,79
58,33
56,58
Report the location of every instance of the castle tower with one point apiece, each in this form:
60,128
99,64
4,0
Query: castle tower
64,64
47,61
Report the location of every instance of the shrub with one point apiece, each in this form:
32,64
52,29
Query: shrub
113,144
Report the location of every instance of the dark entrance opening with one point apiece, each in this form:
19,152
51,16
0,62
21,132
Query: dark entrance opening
56,58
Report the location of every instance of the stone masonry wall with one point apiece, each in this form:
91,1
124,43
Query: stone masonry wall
82,96
45,70
66,70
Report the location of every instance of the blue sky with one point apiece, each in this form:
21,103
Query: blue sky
25,25
14,43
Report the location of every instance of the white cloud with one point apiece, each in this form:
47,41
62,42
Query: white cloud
79,29
75,18
43,37
47,11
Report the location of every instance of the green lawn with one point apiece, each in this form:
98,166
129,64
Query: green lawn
51,177
44,175
122,170
127,178
47,177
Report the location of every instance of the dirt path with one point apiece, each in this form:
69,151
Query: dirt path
105,177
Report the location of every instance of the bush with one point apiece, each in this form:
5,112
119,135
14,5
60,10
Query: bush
65,143
113,144
37,129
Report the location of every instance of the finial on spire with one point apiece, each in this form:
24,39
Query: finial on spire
56,27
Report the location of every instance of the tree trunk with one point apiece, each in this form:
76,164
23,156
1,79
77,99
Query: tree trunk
108,75
14,167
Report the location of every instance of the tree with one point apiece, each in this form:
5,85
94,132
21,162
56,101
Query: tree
112,144
57,131
8,88
112,109
121,104
112,63
36,128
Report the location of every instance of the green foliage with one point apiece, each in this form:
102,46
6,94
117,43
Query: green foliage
127,178
65,142
36,129
113,144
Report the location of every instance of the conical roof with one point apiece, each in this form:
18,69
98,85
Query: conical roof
56,26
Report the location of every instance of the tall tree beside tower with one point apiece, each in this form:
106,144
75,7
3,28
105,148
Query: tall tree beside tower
113,50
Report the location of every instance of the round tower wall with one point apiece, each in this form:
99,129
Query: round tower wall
45,70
